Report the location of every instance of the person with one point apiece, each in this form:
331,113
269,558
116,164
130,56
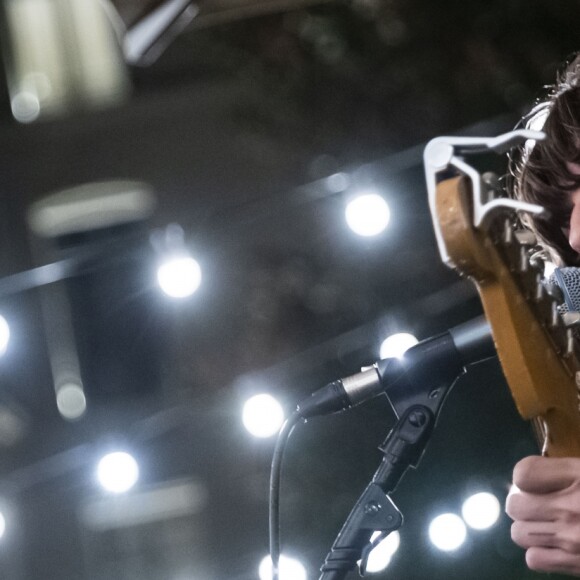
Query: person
544,502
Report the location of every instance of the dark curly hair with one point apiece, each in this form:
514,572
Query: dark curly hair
538,170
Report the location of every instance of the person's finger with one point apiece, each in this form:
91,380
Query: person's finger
530,507
552,560
539,534
537,474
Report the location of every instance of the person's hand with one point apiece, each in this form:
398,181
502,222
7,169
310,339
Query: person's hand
545,506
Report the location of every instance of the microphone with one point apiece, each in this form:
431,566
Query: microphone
434,361
568,281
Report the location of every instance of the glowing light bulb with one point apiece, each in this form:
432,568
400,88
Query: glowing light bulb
289,569
4,335
2,525
396,345
368,214
118,472
481,510
447,532
179,277
380,556
262,415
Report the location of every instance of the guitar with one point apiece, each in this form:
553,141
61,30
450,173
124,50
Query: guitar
480,239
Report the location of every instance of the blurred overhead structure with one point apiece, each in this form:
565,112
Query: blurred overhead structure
61,56
146,39
106,221
210,12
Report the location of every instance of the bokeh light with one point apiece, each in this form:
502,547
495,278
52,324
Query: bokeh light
381,555
2,525
179,277
447,532
481,510
4,335
289,569
396,345
118,472
367,215
262,415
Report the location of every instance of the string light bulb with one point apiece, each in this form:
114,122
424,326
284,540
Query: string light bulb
367,214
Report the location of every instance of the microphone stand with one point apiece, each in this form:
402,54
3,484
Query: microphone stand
418,410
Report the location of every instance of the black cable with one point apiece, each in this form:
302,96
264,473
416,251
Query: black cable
275,474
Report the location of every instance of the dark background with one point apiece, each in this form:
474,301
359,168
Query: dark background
236,126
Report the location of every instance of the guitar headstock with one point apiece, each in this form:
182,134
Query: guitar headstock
479,237
445,153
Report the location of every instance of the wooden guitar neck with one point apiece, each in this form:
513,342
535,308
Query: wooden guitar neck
537,350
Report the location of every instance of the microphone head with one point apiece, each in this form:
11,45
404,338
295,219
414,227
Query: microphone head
568,279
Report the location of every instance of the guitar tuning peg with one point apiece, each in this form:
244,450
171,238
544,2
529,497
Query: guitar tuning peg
524,259
508,232
571,319
492,185
537,263
525,238
570,342
555,316
540,289
555,292
491,179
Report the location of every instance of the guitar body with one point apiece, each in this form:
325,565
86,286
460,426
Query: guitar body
538,353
